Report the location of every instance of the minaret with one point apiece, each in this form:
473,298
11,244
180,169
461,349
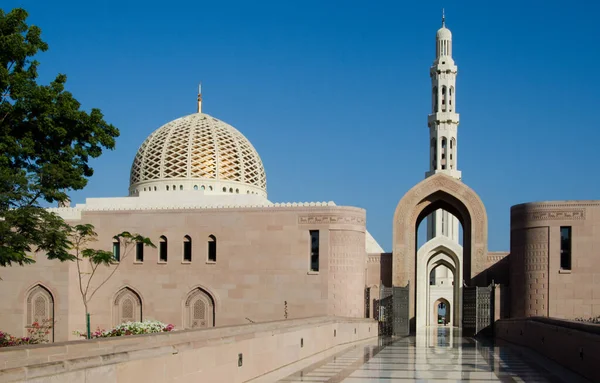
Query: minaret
443,128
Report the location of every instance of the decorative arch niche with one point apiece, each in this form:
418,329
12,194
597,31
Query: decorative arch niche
40,309
438,192
127,307
199,310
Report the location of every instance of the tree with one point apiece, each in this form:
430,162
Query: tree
89,260
46,141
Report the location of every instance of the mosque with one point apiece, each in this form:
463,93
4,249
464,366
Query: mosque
227,255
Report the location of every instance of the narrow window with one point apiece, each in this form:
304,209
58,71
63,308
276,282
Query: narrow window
167,187
116,249
565,247
314,250
187,248
162,250
180,187
195,187
212,248
139,252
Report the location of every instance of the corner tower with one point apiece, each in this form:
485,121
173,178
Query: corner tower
443,128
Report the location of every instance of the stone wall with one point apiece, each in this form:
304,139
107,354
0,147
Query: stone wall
574,345
262,271
225,354
539,285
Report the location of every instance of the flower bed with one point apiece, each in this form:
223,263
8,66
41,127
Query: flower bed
130,328
36,333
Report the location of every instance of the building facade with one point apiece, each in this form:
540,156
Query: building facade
227,255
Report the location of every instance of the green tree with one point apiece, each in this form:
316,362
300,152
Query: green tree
46,141
89,260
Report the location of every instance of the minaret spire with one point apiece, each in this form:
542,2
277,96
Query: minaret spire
200,98
443,124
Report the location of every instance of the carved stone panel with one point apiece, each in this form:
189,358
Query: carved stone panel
529,271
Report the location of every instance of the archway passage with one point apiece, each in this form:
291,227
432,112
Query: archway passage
438,192
442,312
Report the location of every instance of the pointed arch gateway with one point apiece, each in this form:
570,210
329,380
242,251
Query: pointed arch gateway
438,192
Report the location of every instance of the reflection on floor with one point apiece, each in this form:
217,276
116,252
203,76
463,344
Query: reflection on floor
434,355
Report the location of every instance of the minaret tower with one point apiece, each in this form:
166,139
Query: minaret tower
443,128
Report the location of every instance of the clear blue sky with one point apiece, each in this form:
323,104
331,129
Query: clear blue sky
335,95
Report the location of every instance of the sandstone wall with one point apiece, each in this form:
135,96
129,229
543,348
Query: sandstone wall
227,354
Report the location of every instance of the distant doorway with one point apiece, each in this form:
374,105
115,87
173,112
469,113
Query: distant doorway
442,312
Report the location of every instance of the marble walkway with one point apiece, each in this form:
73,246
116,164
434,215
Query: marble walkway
434,355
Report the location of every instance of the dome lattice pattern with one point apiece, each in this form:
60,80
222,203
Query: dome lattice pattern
198,146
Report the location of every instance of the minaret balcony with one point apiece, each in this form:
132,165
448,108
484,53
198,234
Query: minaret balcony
443,117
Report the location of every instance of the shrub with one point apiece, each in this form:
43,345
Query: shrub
131,328
36,334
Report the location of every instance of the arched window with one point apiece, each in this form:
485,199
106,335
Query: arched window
116,247
162,249
127,307
180,187
199,310
210,188
237,191
40,309
187,248
212,248
196,187
444,157
224,189
139,251
453,153
203,187
155,188
231,190
167,187
174,187
444,98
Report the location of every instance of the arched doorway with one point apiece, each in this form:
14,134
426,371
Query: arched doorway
442,258
438,192
442,312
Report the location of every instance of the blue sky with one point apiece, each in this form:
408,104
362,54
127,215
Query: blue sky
334,95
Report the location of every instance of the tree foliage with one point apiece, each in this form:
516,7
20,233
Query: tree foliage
46,142
89,259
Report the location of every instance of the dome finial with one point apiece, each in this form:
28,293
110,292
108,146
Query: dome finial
200,98
443,18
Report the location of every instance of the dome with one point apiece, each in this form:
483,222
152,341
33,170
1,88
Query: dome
444,34
198,152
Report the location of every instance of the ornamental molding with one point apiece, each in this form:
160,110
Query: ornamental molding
330,218
551,215
542,205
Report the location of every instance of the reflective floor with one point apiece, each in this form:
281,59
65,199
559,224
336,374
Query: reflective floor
434,355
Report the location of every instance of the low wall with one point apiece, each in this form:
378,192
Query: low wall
574,345
222,354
